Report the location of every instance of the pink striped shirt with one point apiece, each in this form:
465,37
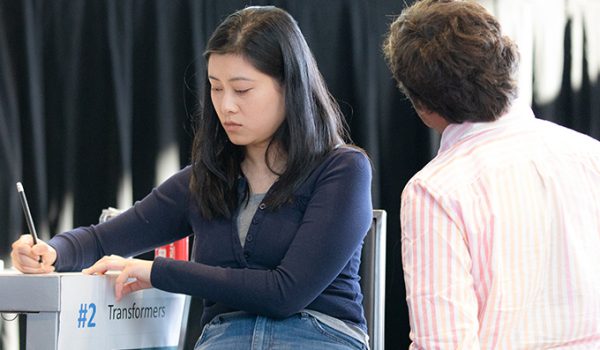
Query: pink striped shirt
501,238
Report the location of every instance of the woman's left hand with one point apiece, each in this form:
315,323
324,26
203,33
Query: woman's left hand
135,269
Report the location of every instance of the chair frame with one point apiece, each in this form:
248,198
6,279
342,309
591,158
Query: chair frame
373,276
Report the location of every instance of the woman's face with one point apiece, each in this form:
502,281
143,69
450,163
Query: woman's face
249,103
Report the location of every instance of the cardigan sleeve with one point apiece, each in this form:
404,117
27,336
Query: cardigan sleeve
155,220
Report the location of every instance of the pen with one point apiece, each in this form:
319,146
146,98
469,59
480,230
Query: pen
27,212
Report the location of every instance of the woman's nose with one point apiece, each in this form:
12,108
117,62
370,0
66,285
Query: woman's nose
229,103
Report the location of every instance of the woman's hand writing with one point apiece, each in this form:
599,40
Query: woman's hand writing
26,256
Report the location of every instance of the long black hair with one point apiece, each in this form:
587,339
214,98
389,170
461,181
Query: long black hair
269,38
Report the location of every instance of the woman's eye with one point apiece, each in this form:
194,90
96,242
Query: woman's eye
242,91
216,89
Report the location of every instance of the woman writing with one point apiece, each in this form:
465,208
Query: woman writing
278,204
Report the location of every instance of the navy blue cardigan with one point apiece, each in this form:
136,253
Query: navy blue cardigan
304,255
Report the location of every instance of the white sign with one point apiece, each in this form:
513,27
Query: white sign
90,318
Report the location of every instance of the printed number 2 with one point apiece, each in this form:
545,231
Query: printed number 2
91,322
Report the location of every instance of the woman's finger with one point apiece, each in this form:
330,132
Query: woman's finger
123,276
106,263
98,268
16,263
22,249
131,287
134,277
23,260
23,240
27,259
39,269
120,284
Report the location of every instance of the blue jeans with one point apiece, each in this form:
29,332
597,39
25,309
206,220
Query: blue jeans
243,331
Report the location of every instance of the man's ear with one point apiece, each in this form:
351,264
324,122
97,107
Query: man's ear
432,119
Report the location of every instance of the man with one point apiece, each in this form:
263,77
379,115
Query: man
501,230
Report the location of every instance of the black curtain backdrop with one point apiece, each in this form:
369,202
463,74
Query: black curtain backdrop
97,95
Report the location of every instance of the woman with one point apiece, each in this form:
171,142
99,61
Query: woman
277,203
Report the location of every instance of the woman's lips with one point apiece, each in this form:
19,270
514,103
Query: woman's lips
231,126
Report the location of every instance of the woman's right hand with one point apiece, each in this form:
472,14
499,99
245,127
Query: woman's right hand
25,255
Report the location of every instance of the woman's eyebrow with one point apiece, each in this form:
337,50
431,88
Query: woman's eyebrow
231,79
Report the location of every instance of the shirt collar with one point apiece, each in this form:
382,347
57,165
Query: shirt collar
454,133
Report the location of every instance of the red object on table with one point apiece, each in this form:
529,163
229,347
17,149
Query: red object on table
178,250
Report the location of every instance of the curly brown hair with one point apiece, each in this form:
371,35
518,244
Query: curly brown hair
450,57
